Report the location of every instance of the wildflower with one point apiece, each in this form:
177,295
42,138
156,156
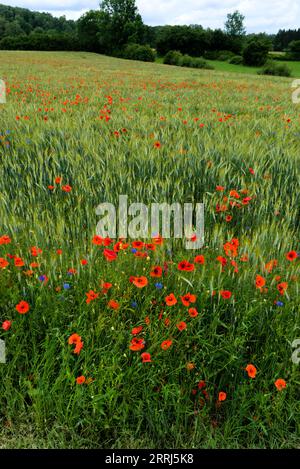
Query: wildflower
260,281
136,330
113,304
291,256
199,260
137,244
251,370
159,285
91,295
6,325
66,188
97,240
181,326
66,286
110,255
166,344
146,357
80,379
188,299
226,294
171,300
3,263
22,307
186,266
156,271
140,282
193,312
137,344
222,396
282,287
280,384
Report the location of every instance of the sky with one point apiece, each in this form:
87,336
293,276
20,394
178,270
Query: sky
261,15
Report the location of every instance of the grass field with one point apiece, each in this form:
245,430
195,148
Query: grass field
222,66
79,129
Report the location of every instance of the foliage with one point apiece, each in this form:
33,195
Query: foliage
294,50
139,52
256,53
273,68
236,60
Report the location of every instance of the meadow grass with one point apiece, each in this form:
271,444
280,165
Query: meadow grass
223,66
157,133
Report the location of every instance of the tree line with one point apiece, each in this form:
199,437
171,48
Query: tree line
117,28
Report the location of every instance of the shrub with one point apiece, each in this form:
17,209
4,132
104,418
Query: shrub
225,55
200,63
294,50
236,60
139,52
272,68
186,61
256,53
173,57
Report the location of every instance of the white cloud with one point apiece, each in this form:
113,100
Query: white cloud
267,15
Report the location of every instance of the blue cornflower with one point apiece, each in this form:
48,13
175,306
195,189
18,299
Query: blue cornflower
279,303
66,286
134,304
159,285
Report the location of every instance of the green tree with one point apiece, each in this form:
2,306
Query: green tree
121,24
294,50
235,31
256,53
234,25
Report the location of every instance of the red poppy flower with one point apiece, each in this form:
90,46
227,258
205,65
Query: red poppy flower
226,294
199,260
3,263
113,304
80,379
18,262
136,330
291,256
181,326
280,384
193,312
186,266
260,281
251,370
171,300
140,282
138,244
146,357
6,325
156,271
222,396
137,344
73,339
166,344
91,295
282,287
188,299
110,255
22,307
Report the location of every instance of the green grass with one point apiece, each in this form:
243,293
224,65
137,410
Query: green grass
212,127
222,66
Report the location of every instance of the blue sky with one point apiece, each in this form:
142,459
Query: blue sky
261,15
